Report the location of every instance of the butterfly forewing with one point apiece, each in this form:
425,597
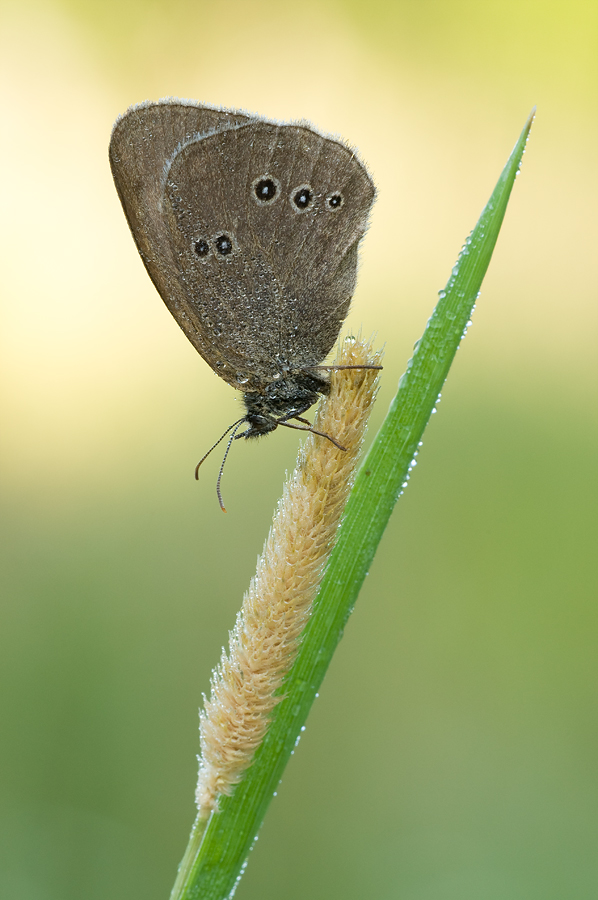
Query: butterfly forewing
143,140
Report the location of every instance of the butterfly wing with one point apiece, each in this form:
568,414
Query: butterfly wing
143,141
270,278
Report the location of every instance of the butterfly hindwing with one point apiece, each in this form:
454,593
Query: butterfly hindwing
263,223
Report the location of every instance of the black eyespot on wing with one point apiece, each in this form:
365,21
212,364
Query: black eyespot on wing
201,248
302,197
224,245
265,189
335,201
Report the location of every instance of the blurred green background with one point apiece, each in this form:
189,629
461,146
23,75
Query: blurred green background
452,752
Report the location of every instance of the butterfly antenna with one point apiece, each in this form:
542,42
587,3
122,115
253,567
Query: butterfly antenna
235,428
221,438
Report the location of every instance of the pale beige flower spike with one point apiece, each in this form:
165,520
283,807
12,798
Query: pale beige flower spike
266,637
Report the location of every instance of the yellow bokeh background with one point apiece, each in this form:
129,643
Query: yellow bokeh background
452,753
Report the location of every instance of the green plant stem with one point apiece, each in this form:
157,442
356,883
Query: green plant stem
215,857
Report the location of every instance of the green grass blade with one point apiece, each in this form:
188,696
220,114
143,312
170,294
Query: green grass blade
212,865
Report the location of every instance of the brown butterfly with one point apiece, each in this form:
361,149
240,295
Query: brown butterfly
249,230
